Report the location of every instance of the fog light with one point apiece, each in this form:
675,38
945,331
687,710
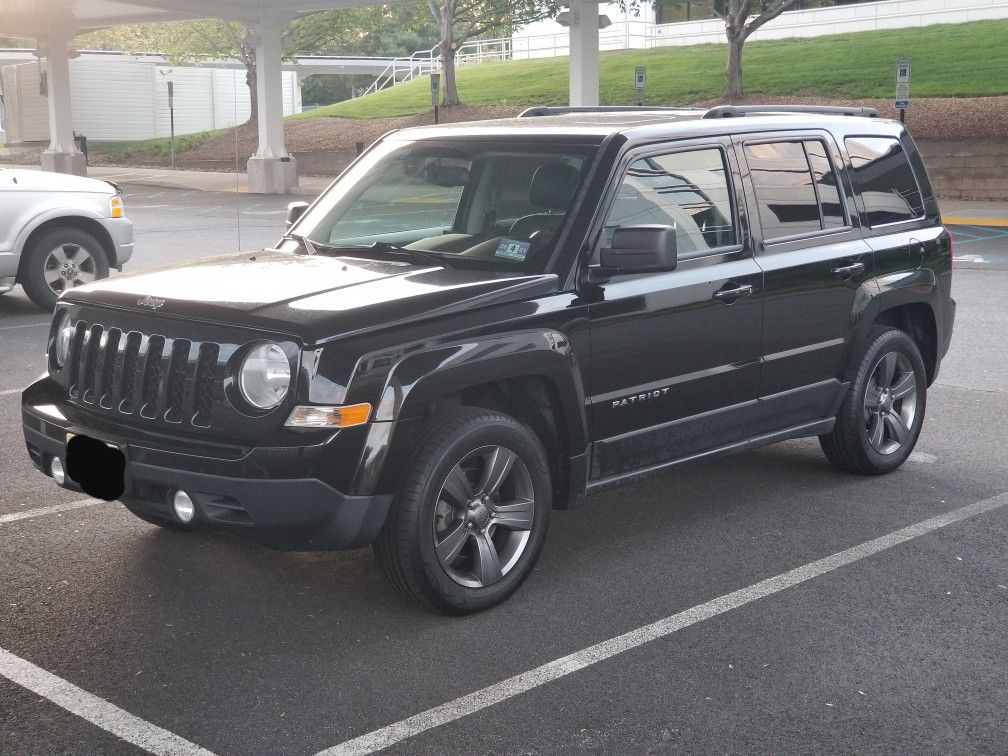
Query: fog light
184,508
57,471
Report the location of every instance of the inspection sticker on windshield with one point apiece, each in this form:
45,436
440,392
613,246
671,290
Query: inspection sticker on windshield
512,250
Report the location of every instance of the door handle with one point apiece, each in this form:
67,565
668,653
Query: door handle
847,271
730,295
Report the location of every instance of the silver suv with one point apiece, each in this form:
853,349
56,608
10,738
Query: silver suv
58,232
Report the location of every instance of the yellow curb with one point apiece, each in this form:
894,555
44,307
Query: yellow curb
956,220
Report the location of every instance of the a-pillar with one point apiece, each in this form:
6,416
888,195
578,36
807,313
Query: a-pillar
584,52
271,170
62,155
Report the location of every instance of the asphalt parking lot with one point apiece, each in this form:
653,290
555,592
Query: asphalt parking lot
799,609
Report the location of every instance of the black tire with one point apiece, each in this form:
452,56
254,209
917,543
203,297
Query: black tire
33,271
406,547
851,445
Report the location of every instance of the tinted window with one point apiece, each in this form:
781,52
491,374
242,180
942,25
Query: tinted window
884,179
785,195
687,190
826,185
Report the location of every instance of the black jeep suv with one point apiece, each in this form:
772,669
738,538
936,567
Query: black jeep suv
478,323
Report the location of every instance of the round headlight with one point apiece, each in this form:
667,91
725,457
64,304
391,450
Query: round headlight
265,376
63,336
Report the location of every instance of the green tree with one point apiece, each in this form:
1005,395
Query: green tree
741,18
458,21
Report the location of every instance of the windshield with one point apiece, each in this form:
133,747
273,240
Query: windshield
469,203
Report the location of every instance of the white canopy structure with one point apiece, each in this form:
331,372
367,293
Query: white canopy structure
271,170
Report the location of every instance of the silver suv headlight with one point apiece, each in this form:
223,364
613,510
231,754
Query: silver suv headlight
62,338
265,376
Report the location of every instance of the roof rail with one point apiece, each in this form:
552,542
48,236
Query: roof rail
548,110
735,111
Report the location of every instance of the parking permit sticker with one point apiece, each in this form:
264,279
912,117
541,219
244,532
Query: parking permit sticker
513,250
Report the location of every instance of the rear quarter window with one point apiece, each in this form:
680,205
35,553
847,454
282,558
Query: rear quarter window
884,179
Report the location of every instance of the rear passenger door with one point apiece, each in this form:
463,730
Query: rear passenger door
815,262
893,209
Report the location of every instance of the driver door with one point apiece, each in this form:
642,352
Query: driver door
675,355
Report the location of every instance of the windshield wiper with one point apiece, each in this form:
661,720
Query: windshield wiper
387,248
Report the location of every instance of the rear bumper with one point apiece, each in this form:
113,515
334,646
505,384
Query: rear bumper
300,513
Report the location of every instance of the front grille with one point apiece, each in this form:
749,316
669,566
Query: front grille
149,376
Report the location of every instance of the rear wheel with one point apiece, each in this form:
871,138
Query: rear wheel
881,417
472,514
62,258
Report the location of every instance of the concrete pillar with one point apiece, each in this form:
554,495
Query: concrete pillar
584,52
62,154
271,170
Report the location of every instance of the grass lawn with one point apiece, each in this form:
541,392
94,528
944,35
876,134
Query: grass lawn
151,148
961,60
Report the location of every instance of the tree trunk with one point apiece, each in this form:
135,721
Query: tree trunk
253,86
733,77
448,50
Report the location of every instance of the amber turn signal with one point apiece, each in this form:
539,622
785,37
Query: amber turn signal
342,416
116,207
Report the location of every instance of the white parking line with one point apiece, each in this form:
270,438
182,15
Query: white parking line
11,392
25,325
554,670
95,710
27,514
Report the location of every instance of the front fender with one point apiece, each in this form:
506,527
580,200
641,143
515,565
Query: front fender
54,209
419,380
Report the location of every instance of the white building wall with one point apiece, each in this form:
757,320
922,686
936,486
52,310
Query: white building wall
126,98
549,39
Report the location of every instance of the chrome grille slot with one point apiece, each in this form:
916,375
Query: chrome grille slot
150,385
206,365
73,358
92,343
176,380
106,367
130,366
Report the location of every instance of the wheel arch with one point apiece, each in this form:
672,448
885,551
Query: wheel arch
917,320
80,222
532,377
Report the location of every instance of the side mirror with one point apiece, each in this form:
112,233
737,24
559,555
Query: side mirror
294,211
641,249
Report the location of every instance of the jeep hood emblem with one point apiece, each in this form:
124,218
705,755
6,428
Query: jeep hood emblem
152,302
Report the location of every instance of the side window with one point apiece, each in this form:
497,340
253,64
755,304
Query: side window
883,177
832,208
687,190
785,194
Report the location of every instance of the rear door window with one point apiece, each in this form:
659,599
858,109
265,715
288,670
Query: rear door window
883,177
833,215
785,193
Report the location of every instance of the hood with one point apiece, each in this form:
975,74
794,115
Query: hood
310,297
44,181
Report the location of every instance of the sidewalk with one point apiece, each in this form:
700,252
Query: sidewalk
974,213
203,181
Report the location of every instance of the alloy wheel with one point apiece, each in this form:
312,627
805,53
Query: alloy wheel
890,403
483,516
67,266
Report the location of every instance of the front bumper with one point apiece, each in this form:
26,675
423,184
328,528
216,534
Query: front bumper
120,231
249,495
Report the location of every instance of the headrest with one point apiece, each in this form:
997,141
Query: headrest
553,186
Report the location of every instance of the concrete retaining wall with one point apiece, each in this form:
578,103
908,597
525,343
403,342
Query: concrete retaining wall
968,168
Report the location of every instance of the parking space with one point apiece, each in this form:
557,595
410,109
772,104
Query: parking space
981,246
237,649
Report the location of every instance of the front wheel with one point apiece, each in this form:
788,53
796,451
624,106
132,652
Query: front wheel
881,417
62,258
472,513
